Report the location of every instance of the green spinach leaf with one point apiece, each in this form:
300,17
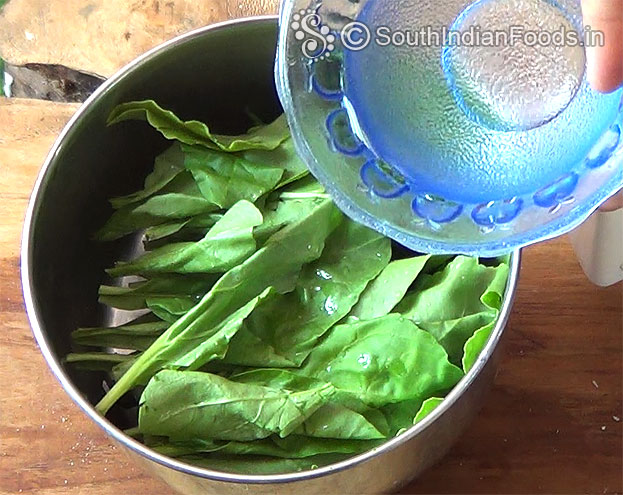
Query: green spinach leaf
167,167
277,264
284,330
260,465
190,287
291,447
453,334
226,178
382,361
225,245
475,345
137,336
345,417
283,157
427,408
185,405
457,291
180,200
387,290
96,361
193,132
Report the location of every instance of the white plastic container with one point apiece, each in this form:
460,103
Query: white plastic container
598,244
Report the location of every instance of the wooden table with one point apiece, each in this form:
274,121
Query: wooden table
551,424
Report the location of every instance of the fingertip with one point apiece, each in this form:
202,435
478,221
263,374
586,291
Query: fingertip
605,60
605,68
605,80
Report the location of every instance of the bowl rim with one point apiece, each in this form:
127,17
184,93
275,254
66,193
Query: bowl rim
115,433
511,241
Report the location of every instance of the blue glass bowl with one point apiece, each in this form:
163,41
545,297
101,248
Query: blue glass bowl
446,145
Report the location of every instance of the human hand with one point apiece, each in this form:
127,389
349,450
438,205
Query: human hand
605,63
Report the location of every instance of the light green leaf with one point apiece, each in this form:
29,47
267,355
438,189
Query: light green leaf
283,157
259,465
475,345
345,417
427,408
453,334
387,290
455,292
381,361
192,405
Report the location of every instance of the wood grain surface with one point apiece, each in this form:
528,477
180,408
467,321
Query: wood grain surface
549,426
100,36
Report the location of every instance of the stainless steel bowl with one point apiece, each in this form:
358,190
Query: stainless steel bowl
212,74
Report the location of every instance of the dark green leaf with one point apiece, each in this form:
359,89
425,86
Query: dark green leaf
258,465
226,178
285,329
181,199
132,336
190,287
225,245
192,132
96,361
277,263
291,447
158,232
167,166
121,368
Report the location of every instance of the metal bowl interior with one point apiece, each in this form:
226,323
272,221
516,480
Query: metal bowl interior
213,74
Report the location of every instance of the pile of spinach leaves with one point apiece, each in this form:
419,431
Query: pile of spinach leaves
274,334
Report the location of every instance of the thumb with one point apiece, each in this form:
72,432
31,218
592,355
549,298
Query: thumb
605,63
